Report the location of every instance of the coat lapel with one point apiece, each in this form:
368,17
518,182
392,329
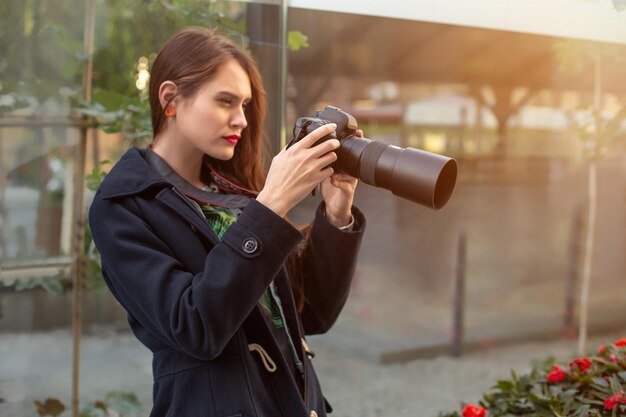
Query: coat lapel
178,204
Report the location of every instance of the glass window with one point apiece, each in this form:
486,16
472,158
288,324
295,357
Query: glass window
514,110
43,118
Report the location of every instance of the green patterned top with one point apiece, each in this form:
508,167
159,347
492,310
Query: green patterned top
220,218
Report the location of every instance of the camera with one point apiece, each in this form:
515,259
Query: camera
422,177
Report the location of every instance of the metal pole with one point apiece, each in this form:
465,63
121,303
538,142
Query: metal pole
79,224
282,95
459,297
569,327
3,213
591,215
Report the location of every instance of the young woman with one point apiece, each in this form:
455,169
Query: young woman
195,245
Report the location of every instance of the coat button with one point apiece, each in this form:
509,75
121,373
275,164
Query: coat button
250,245
313,413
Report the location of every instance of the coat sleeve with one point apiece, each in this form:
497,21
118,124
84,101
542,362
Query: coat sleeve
329,263
196,314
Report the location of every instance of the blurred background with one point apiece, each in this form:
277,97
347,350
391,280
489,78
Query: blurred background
529,99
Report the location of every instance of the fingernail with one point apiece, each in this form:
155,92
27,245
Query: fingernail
333,125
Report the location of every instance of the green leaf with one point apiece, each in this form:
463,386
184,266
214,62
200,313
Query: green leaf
126,403
176,9
110,100
297,40
600,382
11,102
589,401
616,386
95,177
92,410
51,407
504,385
51,284
581,411
112,128
555,412
101,406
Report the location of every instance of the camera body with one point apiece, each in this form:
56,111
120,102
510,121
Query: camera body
345,132
422,177
346,124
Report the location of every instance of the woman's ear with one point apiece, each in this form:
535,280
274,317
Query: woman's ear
167,93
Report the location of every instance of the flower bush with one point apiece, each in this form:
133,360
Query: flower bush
591,386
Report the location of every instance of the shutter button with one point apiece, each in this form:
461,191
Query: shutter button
250,245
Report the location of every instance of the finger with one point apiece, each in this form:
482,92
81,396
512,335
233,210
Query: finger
340,176
327,172
314,136
359,133
325,160
322,176
325,147
344,185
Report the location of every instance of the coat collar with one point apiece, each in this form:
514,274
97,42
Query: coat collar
131,175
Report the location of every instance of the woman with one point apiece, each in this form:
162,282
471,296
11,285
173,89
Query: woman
195,245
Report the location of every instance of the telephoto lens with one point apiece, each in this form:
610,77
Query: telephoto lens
422,177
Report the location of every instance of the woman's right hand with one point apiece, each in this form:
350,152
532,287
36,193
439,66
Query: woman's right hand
296,171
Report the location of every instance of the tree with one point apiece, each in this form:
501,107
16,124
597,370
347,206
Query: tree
598,131
503,105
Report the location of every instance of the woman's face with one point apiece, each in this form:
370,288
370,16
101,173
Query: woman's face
212,119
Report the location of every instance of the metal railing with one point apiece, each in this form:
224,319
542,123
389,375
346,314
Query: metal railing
25,269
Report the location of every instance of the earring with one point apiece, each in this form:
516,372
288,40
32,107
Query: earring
170,111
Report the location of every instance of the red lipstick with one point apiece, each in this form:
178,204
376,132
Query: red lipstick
232,138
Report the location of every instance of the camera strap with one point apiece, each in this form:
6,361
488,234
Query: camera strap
235,201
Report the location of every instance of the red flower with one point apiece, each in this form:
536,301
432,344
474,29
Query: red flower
613,357
472,410
601,348
556,375
621,342
582,363
611,402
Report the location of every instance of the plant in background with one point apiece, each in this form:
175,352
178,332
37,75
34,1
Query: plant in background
592,386
93,273
597,128
115,404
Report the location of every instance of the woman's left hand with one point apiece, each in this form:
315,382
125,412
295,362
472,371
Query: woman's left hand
338,194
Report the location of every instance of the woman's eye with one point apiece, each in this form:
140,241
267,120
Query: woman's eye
225,101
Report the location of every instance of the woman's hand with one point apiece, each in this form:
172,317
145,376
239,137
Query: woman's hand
296,171
338,194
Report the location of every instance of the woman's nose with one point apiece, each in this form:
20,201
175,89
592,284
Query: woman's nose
239,119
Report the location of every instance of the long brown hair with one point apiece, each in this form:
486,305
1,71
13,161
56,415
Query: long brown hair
191,58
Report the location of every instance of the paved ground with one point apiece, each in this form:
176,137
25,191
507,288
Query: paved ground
37,366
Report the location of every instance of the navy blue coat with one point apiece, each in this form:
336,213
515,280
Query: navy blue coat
193,299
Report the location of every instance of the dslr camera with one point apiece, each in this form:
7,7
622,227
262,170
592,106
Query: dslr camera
416,175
